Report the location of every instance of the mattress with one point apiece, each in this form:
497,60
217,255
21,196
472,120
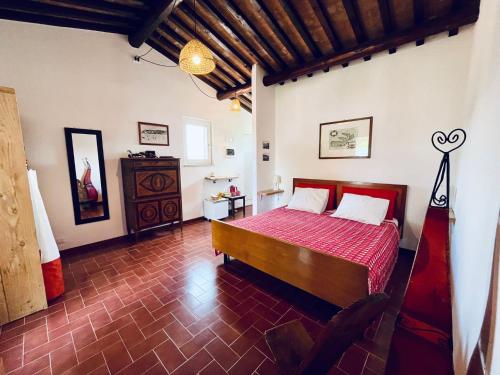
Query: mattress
376,247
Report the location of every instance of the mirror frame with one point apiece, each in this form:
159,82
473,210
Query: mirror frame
68,132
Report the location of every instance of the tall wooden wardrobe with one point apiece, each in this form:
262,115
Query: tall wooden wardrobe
22,291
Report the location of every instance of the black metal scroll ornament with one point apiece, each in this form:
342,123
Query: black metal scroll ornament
445,144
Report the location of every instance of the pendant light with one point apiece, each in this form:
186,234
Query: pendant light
235,105
195,57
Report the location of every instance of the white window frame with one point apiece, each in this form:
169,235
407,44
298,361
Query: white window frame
208,125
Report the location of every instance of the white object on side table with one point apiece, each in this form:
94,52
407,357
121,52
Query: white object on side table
215,209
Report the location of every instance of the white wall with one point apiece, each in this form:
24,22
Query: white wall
263,110
410,94
478,190
85,79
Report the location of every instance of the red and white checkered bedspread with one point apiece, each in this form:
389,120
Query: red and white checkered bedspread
370,245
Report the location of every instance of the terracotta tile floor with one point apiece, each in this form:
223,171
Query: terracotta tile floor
167,305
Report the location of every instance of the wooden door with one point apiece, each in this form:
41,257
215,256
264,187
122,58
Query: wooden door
22,290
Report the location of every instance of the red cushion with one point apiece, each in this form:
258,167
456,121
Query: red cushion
390,195
331,194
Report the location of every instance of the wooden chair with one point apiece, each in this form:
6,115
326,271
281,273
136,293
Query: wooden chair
296,352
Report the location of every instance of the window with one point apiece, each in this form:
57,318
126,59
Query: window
197,141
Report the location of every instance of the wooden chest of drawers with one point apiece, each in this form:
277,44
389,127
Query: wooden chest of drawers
152,193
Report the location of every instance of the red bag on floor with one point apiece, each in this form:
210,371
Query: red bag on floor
53,279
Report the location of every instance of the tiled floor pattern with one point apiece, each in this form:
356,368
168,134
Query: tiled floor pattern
167,305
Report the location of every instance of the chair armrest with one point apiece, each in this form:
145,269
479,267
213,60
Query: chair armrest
290,343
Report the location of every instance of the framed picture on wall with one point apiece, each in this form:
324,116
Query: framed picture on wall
153,134
346,139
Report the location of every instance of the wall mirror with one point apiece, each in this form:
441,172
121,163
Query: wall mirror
87,175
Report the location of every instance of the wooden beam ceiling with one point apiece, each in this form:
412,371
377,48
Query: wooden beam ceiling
368,48
299,26
234,92
256,33
418,11
214,18
325,22
287,38
352,10
160,12
386,15
276,29
71,14
246,103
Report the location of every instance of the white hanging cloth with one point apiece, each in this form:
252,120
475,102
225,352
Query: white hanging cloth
45,236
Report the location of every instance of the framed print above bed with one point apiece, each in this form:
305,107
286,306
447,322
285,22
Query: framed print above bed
346,139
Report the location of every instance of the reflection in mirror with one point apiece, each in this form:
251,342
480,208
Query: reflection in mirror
87,174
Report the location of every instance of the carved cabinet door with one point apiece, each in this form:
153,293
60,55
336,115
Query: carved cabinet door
148,214
155,182
170,209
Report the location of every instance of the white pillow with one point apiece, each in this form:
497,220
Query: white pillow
362,208
309,200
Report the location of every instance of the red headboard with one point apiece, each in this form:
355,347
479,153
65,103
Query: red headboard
399,209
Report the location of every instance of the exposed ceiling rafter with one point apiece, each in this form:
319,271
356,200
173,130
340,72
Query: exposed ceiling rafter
235,91
159,14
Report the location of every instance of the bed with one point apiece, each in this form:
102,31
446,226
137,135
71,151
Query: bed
334,259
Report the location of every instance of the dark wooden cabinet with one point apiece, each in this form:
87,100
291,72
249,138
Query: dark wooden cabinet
152,192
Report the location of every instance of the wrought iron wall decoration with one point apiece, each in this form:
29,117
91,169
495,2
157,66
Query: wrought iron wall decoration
445,144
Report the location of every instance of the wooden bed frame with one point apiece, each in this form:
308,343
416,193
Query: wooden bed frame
334,279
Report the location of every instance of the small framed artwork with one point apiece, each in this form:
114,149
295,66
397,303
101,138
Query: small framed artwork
153,134
266,145
347,139
265,157
230,153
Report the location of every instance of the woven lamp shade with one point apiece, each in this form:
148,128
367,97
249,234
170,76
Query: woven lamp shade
235,105
195,58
